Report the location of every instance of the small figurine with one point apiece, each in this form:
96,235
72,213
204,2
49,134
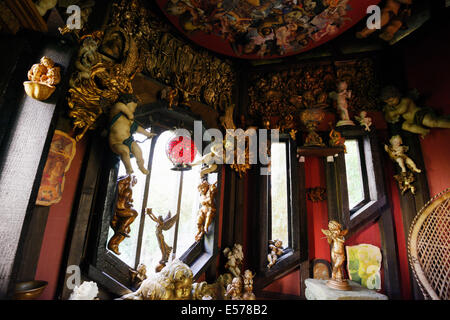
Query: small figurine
88,290
235,258
392,19
43,77
405,182
364,120
234,290
416,120
162,225
276,250
171,96
138,275
341,97
397,153
336,139
124,214
248,286
122,126
207,210
335,236
316,194
174,282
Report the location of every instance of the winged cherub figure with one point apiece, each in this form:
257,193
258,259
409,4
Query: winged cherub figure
162,225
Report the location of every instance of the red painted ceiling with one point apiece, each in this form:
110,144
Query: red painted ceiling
255,29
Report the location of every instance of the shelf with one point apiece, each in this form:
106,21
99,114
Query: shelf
318,151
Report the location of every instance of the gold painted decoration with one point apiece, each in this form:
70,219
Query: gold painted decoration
162,224
62,151
124,214
136,40
207,211
278,98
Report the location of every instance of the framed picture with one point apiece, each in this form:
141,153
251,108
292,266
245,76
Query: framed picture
321,269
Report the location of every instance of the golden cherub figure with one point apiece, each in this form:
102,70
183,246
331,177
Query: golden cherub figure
248,286
335,236
276,249
234,290
138,275
207,211
364,120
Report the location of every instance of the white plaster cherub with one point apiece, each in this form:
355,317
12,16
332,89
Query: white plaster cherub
341,97
276,249
122,128
364,120
397,153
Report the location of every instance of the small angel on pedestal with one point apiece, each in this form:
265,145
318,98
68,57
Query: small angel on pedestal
364,120
341,97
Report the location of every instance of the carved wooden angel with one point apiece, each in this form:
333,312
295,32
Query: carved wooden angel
162,225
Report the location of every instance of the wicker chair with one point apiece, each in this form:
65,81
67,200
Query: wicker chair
429,247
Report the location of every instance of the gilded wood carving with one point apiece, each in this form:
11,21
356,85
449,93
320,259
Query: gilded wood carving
124,214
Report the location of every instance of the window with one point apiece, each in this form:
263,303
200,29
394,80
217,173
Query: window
278,214
279,193
355,185
162,190
165,188
356,174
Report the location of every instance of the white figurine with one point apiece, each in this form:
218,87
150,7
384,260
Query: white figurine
341,97
88,290
364,120
397,153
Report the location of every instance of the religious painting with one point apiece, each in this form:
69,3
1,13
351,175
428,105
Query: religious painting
263,28
364,265
321,269
60,156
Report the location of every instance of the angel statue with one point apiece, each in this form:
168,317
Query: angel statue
335,236
162,225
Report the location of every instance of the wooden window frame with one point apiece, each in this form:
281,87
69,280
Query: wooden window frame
105,267
291,256
375,198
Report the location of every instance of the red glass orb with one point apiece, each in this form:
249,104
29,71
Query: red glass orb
181,151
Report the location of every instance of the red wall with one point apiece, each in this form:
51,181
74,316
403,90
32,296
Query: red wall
56,229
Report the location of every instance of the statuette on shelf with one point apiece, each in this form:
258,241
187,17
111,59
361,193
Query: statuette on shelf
335,236
341,97
138,275
364,120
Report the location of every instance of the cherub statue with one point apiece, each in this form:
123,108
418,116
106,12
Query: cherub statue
341,97
235,258
86,59
124,214
405,182
335,236
397,153
248,286
416,120
45,72
174,282
44,5
207,210
392,19
234,290
162,224
364,120
138,275
276,249
122,126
